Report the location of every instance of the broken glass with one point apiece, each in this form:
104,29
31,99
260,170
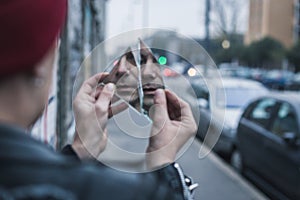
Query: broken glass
136,74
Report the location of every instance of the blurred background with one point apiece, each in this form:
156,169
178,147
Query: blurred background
254,44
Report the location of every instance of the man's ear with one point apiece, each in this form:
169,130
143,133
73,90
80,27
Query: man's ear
41,74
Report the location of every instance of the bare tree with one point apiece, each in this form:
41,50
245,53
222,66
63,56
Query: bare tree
228,16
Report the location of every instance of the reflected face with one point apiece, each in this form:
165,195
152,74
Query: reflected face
151,77
125,76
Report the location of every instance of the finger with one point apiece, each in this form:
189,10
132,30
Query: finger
99,88
113,110
104,75
179,104
102,103
90,84
159,111
106,78
173,103
97,92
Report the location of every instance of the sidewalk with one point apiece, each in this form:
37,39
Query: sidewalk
217,180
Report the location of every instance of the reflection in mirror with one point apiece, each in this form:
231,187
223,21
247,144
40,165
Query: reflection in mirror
136,82
151,76
124,74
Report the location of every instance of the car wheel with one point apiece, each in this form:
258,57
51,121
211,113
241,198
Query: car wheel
236,160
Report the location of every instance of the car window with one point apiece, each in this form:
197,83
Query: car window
285,120
262,112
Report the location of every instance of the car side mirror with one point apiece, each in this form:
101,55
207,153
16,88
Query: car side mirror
290,138
203,103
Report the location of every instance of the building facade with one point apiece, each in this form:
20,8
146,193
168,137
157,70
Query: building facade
278,19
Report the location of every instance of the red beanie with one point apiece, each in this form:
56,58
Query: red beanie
28,28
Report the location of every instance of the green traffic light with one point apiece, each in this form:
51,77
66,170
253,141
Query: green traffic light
162,60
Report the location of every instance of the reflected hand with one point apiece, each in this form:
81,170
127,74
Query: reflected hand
173,125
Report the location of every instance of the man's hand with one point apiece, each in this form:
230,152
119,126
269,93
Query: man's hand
173,125
91,110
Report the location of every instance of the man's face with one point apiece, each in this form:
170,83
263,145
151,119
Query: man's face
44,70
125,76
151,77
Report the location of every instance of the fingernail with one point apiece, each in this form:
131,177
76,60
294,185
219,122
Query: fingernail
110,87
159,92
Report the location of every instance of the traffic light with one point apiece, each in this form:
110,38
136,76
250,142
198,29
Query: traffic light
162,60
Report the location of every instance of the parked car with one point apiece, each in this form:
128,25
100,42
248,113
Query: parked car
278,79
295,83
234,70
268,145
214,109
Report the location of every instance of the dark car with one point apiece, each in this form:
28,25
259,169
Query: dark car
295,84
222,113
278,79
268,145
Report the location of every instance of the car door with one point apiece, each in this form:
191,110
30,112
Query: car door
281,158
252,129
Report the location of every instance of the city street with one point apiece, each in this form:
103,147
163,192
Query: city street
142,87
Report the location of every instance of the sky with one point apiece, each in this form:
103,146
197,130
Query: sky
184,16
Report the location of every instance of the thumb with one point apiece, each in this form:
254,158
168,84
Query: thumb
104,99
159,111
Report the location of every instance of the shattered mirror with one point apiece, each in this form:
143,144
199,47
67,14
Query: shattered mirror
136,74
136,69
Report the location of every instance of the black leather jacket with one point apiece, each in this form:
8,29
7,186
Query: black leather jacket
30,170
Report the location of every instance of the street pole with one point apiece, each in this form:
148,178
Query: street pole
207,22
63,89
207,33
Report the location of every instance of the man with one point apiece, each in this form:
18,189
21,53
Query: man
151,76
125,75
29,170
